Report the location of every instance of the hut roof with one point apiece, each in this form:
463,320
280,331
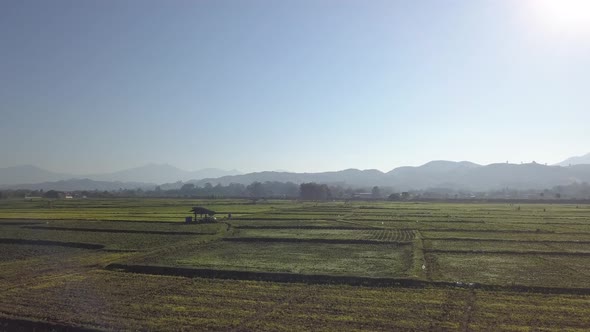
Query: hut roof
202,210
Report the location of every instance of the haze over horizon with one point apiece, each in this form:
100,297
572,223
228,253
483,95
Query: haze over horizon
307,86
239,171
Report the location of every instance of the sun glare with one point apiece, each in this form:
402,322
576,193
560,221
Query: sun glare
567,16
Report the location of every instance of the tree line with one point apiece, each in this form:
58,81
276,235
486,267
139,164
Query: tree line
269,189
309,191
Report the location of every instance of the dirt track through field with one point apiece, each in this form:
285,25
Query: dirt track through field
469,310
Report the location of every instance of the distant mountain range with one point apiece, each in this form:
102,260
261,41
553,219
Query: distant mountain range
29,174
585,159
83,184
161,173
144,176
435,174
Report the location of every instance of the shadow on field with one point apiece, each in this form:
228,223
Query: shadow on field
111,230
19,223
296,240
346,228
507,252
452,230
13,324
504,240
52,243
331,279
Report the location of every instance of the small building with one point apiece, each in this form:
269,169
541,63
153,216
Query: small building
363,195
201,211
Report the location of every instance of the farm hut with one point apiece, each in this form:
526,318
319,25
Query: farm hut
202,211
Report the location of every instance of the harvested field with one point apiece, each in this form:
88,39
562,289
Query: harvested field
170,303
16,251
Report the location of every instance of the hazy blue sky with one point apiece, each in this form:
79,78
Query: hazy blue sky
91,86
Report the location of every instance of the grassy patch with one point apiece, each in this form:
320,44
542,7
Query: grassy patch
306,258
529,270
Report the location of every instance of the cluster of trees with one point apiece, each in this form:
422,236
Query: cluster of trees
255,189
314,192
24,193
306,191
403,196
575,190
572,191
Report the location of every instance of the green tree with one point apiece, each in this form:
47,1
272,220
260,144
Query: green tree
376,192
395,197
52,194
187,188
314,192
255,189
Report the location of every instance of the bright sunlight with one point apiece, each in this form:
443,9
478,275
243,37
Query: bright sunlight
564,16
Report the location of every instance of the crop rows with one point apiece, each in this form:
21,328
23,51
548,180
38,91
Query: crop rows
393,235
329,234
122,301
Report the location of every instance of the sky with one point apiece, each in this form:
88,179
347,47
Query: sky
98,86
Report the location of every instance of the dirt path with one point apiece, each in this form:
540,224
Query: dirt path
469,310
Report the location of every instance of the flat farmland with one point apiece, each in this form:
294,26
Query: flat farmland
132,264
